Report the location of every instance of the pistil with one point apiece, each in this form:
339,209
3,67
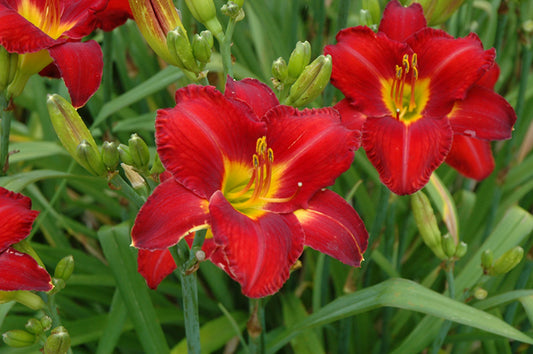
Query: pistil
399,82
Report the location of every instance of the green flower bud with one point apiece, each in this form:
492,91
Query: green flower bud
233,10
110,155
18,338
58,342
202,45
438,11
34,326
89,157
64,268
46,322
279,69
299,59
59,284
140,155
311,82
374,11
124,153
461,249
24,297
8,67
427,223
157,167
239,3
448,245
487,257
180,47
204,12
480,293
72,131
507,261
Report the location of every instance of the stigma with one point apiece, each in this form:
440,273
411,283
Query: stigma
405,74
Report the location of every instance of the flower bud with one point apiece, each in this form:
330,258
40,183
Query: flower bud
507,261
204,12
179,46
448,245
373,10
24,297
140,155
110,155
136,180
487,257
46,322
8,67
18,338
480,293
299,59
460,250
427,223
311,82
124,153
58,342
72,131
64,268
34,326
202,45
233,11
89,157
59,284
279,69
438,11
157,167
239,3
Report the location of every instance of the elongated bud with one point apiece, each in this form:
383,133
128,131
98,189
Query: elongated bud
136,180
231,9
46,322
487,258
180,47
72,131
24,297
461,250
438,11
110,155
124,153
140,155
34,326
8,67
448,245
311,82
507,261
18,338
89,157
204,12
427,223
58,342
373,9
202,45
64,268
279,70
299,59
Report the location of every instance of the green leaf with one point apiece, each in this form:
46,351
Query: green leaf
404,294
30,150
19,181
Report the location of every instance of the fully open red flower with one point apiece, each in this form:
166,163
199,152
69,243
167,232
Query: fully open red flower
253,173
18,271
419,96
49,32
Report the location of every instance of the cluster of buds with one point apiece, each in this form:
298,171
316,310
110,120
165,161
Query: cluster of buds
58,342
306,80
444,247
503,264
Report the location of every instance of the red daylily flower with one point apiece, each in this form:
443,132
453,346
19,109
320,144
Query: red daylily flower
19,271
49,32
115,14
253,173
419,96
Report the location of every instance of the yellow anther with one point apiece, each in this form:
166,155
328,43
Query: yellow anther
415,72
414,61
405,63
255,159
398,72
270,155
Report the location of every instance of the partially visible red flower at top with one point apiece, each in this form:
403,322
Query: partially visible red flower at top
48,32
115,14
18,271
253,173
419,96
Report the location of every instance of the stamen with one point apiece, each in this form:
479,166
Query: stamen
283,200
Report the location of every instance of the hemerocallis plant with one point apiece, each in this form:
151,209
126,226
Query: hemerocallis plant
253,173
418,95
19,271
47,34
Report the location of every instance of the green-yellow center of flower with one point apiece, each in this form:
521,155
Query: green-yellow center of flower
406,95
48,20
250,187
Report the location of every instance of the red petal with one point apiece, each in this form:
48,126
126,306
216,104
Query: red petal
82,14
252,92
400,22
155,265
453,65
483,115
406,155
169,214
471,157
259,251
80,65
333,227
351,117
21,272
311,147
115,14
361,61
17,218
204,130
489,79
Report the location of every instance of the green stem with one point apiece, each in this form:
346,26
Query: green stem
5,116
128,190
437,344
255,328
224,40
52,311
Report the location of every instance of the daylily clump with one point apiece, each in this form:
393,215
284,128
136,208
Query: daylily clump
253,173
19,271
420,97
47,36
